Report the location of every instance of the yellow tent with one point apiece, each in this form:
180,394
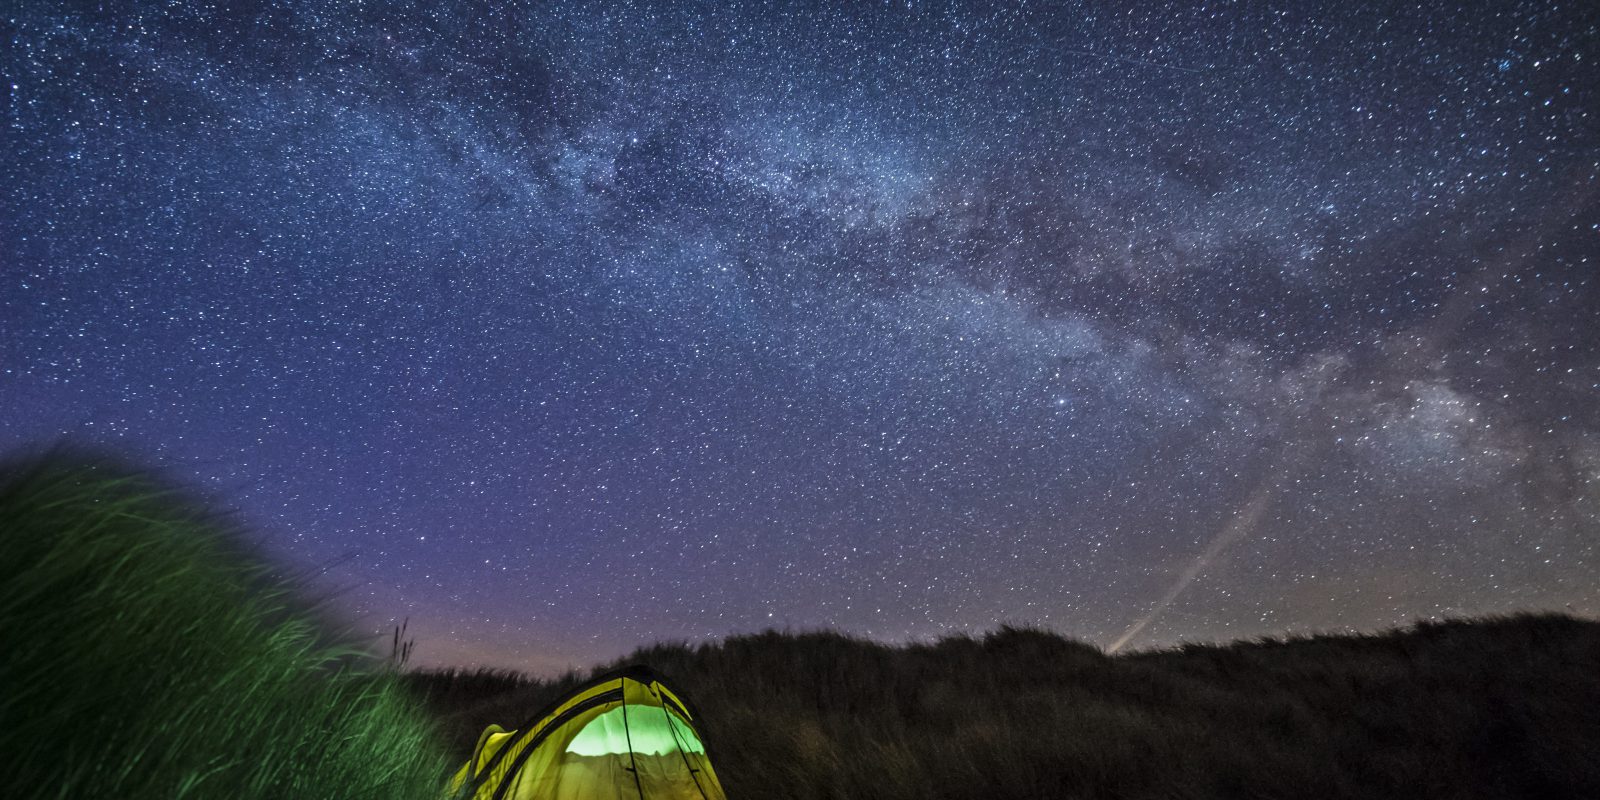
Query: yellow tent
623,736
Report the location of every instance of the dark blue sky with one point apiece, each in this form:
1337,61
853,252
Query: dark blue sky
586,325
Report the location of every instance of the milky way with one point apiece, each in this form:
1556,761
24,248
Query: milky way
563,328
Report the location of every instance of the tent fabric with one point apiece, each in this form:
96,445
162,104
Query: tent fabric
623,736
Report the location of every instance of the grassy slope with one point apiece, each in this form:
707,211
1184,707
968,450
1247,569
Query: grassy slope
1494,708
147,656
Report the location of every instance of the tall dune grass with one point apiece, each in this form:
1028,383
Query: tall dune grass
1496,708
145,654
148,655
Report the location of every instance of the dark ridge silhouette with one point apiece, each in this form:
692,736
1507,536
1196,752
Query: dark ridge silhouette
1494,708
149,654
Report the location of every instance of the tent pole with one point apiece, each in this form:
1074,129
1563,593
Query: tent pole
678,742
627,732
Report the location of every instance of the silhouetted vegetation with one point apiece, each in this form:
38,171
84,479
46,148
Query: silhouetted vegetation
1487,709
145,654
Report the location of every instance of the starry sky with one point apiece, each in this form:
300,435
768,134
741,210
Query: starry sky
562,328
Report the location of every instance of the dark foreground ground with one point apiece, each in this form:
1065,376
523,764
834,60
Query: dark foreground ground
145,652
1485,709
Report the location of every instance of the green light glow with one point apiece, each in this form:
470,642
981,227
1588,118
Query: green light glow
649,729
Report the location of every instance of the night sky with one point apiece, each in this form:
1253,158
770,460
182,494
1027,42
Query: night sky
564,328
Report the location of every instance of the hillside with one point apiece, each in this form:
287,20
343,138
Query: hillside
150,654
1506,707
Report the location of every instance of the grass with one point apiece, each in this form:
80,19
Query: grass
150,655
1498,708
147,654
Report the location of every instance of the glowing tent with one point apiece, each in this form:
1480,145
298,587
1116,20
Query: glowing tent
623,736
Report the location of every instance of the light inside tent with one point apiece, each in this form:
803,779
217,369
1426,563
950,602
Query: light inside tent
652,731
